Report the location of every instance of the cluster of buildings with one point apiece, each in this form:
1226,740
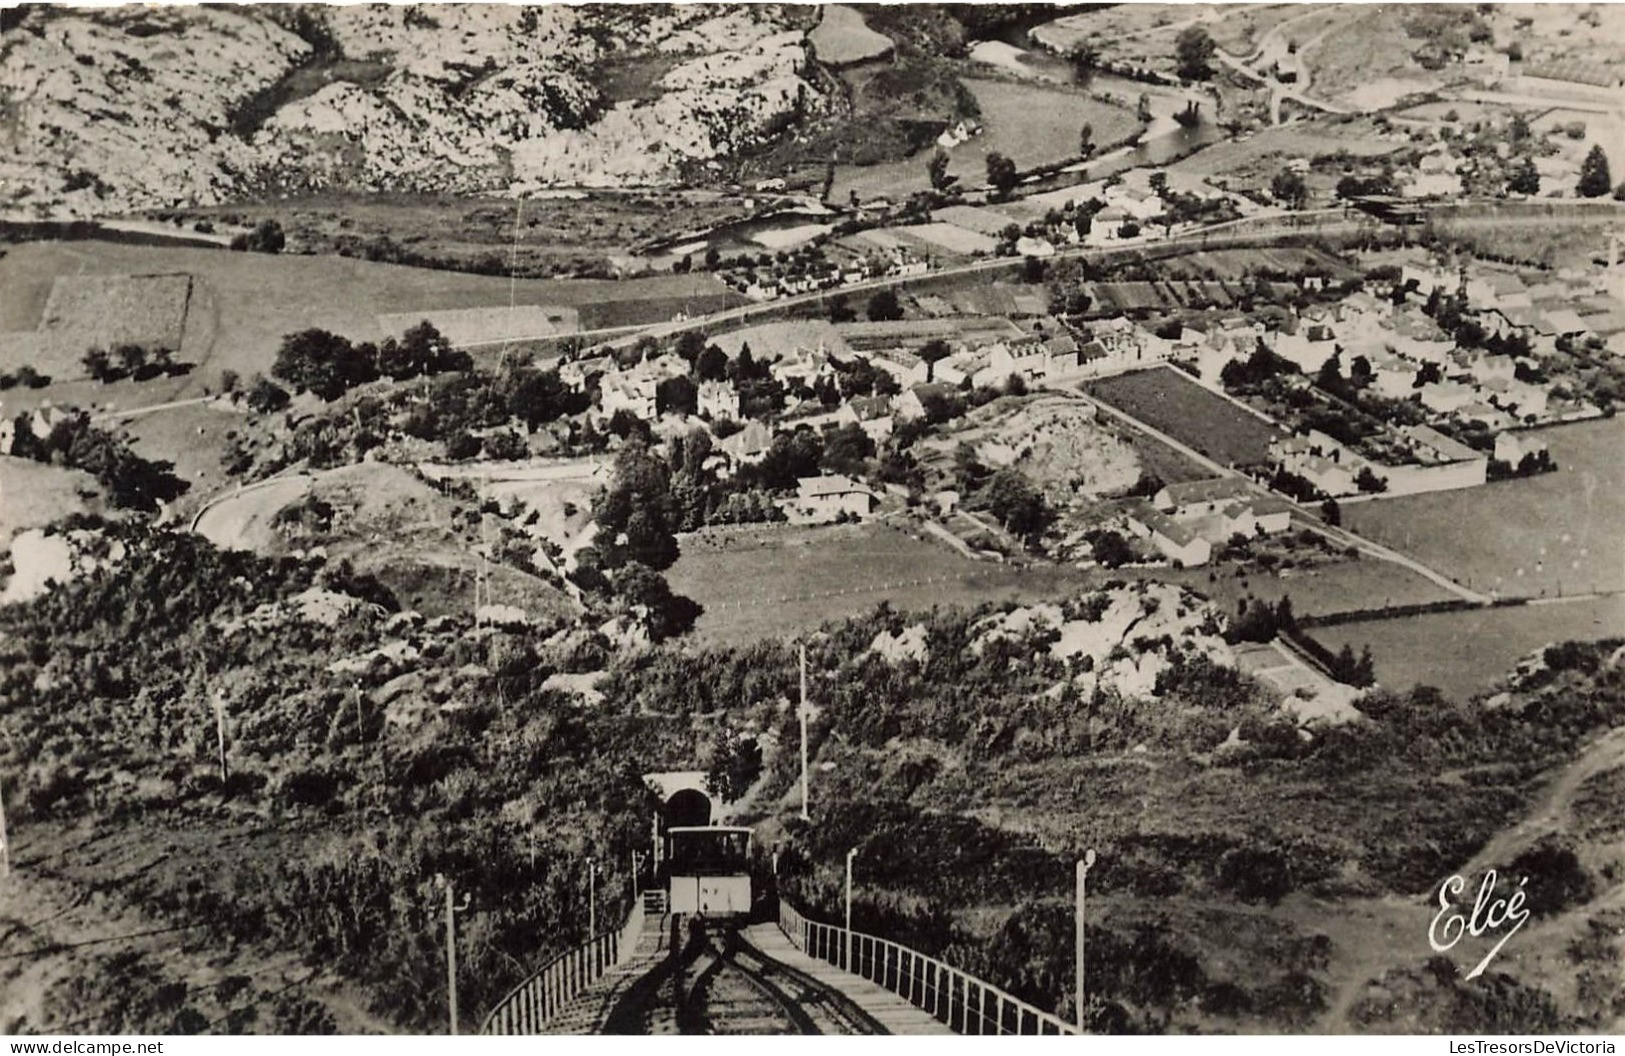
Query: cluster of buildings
1428,461
1186,523
770,281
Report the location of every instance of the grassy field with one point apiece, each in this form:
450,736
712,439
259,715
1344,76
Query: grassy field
1466,652
1165,399
243,303
1288,141
1540,535
1031,125
776,581
1321,590
537,235
33,494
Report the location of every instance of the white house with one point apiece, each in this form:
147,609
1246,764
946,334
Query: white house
820,500
718,399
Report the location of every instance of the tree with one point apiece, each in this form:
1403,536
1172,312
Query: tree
1289,188
1111,550
266,396
635,512
1001,173
646,593
1525,178
1368,481
712,364
1017,504
1594,178
847,449
1194,49
1086,140
677,396
1142,108
536,397
838,311
132,359
1331,513
937,169
736,763
267,237
318,362
99,365
1085,60
884,305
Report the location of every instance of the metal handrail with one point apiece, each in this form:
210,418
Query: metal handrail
529,1007
962,1002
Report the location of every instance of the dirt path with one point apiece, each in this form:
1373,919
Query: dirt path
1555,808
1354,926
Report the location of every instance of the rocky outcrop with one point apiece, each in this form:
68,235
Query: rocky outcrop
114,110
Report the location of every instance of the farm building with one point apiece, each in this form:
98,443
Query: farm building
820,500
750,445
1177,541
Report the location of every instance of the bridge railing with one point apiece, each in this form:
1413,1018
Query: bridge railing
962,1002
530,1006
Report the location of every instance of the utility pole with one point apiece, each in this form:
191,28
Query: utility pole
1083,874
592,898
452,909
805,816
219,700
849,856
5,844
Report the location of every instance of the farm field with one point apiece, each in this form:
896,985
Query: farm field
1237,156
1466,652
768,581
81,312
1167,400
553,232
244,303
33,494
1225,264
1032,125
1558,532
1322,590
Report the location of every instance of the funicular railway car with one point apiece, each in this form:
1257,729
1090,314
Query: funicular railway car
709,870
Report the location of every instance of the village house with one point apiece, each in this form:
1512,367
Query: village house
1199,498
632,391
1446,396
748,446
959,368
1392,376
718,400
873,414
1512,448
1308,349
1328,476
1178,541
912,404
820,500
906,368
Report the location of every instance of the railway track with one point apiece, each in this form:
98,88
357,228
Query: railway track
716,982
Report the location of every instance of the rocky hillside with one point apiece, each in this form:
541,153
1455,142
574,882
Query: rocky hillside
106,111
